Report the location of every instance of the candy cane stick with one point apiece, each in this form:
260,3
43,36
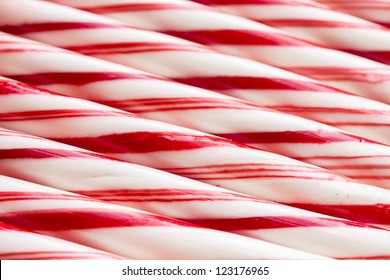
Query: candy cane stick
93,79
229,34
21,244
377,11
126,231
316,23
231,166
121,183
164,55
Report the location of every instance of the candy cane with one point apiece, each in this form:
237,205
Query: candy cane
231,166
229,34
21,244
93,79
164,55
126,231
315,23
377,11
75,170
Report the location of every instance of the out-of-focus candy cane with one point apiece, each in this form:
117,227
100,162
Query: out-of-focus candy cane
377,11
79,171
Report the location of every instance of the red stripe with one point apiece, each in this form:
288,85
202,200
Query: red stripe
238,37
377,4
8,87
380,56
255,2
72,219
260,168
145,142
312,23
241,165
14,196
78,78
374,214
134,47
27,28
55,114
29,49
385,24
138,7
382,257
292,108
37,153
172,104
55,255
4,226
234,82
165,195
367,75
296,137
260,223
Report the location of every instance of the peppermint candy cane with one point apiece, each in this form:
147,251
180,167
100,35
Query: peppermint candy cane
89,78
232,35
21,244
315,23
231,166
313,101
377,11
83,172
362,116
125,231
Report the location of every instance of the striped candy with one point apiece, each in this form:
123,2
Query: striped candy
121,183
89,78
126,231
377,11
190,63
315,23
231,166
229,34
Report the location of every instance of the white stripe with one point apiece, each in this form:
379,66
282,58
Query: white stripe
16,241
292,56
180,243
339,242
184,64
289,12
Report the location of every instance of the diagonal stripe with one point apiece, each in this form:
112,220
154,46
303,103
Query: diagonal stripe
22,29
244,82
298,137
78,78
146,141
259,223
73,219
374,214
238,37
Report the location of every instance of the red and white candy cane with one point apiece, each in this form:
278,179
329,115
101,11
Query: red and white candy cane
126,231
315,23
377,11
223,32
79,171
101,81
198,156
300,97
20,244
